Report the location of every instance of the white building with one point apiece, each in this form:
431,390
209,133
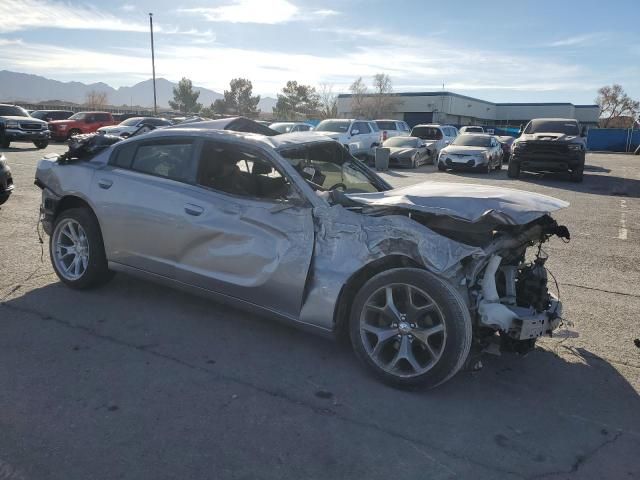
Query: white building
452,108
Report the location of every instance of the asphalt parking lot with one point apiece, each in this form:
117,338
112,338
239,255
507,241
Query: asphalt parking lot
136,381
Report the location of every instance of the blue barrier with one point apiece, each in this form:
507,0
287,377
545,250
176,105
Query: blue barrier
613,139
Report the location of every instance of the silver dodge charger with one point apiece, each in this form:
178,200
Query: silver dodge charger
293,227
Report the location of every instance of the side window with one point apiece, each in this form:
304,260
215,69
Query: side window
123,155
91,118
304,128
232,169
374,126
168,159
362,127
103,117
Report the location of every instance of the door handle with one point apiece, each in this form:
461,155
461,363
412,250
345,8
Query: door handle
104,183
192,209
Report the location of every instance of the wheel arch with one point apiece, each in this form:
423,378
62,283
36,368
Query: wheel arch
355,282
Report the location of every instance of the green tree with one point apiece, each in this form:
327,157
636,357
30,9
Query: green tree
297,101
238,100
185,99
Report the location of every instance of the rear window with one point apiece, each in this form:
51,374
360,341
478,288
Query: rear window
383,125
472,140
552,126
426,133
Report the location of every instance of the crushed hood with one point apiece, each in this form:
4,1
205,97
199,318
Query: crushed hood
468,202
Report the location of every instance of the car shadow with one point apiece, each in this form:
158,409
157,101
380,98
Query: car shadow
14,149
592,184
540,411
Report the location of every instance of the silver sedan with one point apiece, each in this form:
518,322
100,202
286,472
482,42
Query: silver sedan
293,227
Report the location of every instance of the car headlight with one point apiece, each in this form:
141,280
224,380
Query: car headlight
11,124
576,147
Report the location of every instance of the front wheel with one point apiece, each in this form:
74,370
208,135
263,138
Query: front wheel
514,169
410,328
77,251
4,143
73,132
577,175
40,144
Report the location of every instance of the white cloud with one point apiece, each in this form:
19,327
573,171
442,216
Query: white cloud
19,15
127,7
248,11
579,40
269,12
213,66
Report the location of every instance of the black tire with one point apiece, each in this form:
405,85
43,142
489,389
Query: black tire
97,272
4,198
577,175
454,316
40,144
73,132
514,169
441,167
4,143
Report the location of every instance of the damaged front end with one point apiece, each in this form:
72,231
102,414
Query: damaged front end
504,283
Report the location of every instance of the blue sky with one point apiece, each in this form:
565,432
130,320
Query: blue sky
500,51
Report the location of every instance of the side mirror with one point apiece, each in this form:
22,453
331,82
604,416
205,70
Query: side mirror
355,131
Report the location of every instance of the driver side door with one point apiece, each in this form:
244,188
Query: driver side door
248,235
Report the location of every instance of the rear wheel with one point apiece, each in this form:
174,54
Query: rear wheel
441,167
77,251
514,169
40,144
4,143
410,328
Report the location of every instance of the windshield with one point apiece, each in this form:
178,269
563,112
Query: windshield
12,111
281,127
426,133
130,122
472,141
552,126
339,126
328,166
78,116
406,142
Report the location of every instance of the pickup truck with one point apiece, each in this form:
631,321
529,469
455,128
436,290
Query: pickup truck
17,126
549,145
81,122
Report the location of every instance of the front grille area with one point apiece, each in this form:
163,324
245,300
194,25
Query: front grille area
549,148
30,126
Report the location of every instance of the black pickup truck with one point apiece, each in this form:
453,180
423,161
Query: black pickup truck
16,125
549,145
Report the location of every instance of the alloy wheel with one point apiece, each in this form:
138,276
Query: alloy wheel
71,249
403,330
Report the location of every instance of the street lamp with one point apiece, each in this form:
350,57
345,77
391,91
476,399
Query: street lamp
153,66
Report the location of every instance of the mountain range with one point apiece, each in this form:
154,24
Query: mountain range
23,87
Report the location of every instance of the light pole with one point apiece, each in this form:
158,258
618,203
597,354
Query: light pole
153,66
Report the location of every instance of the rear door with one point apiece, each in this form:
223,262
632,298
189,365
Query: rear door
248,234
140,197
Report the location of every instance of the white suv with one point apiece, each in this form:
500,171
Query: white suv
360,137
393,128
435,137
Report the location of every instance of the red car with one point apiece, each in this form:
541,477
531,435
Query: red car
81,122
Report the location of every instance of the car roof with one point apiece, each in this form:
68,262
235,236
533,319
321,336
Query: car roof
554,120
434,125
276,142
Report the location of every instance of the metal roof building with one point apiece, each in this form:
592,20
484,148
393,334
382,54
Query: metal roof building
453,108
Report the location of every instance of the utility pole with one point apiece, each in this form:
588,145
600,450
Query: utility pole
153,66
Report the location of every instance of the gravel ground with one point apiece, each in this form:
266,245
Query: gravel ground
138,381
